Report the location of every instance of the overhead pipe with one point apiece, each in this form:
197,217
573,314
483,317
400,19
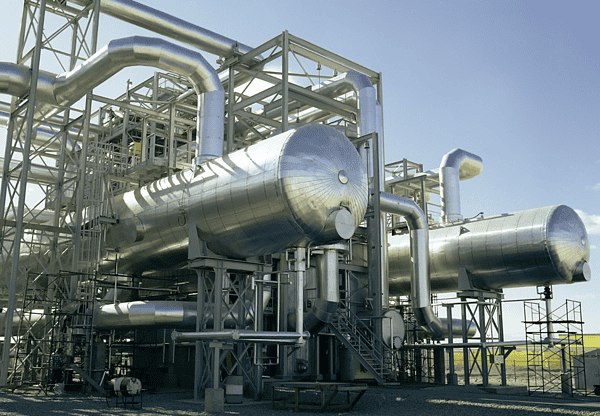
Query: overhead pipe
41,174
419,241
456,165
67,88
245,336
170,26
44,134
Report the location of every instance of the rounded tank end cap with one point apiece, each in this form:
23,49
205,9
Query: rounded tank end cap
343,221
583,273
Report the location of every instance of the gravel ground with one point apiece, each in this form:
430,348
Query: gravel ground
409,400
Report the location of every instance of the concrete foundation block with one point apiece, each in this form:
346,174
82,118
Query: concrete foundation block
214,400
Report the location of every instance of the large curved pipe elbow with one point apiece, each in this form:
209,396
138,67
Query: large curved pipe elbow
419,240
67,88
456,165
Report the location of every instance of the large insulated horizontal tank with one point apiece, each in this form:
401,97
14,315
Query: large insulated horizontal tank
542,246
305,185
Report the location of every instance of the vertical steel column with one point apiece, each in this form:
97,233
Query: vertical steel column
172,147
153,123
19,227
258,326
77,235
452,375
285,81
217,321
501,339
376,229
481,304
465,338
199,353
83,158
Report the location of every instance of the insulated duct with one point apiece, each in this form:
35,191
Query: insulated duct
419,260
67,88
456,165
328,296
170,26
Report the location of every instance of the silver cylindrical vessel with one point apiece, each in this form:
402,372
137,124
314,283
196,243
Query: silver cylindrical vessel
305,185
542,246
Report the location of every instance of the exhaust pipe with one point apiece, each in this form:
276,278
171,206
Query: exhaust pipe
456,165
419,240
67,88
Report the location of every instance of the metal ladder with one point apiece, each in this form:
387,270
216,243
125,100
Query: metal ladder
374,355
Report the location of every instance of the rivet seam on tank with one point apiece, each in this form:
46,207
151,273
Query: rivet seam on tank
343,176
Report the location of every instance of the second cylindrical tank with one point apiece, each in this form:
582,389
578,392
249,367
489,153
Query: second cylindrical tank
542,246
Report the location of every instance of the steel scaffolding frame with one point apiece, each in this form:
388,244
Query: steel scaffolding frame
555,349
40,234
142,135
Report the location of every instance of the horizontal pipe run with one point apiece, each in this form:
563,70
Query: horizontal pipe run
505,344
236,335
140,15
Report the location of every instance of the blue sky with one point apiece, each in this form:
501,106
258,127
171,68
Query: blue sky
515,82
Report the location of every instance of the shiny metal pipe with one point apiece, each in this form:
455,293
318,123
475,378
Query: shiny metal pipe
537,247
41,174
457,329
456,165
236,335
328,295
305,185
169,314
41,134
419,261
366,96
300,268
67,88
173,27
24,321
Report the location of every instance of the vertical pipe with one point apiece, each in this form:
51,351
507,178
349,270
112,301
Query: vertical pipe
19,228
144,149
285,83
300,270
124,138
216,363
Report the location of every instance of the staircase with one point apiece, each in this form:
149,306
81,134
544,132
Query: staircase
370,350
